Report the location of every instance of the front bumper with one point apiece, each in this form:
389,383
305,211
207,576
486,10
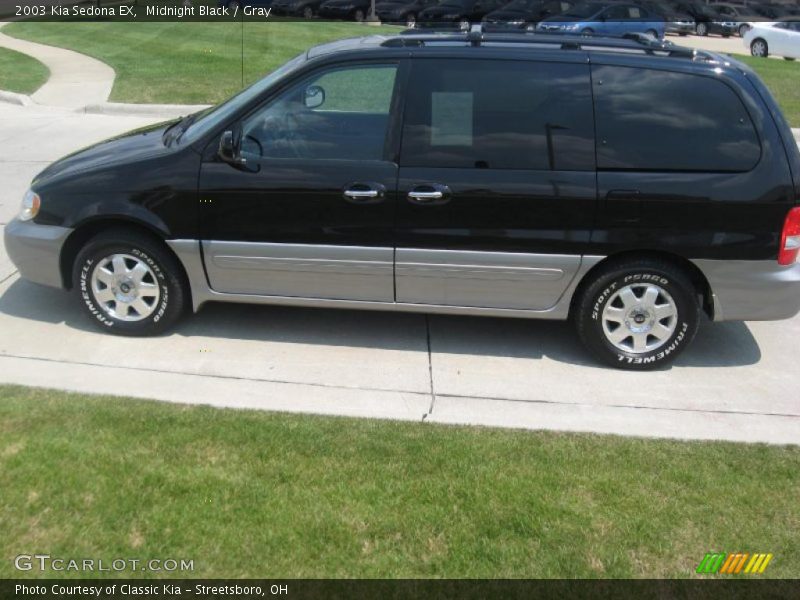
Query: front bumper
750,290
36,250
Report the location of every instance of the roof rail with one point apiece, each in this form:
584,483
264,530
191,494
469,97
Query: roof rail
477,37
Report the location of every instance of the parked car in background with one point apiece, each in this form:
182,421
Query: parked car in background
675,21
701,13
232,4
458,13
600,18
780,39
353,10
741,17
402,11
296,8
525,14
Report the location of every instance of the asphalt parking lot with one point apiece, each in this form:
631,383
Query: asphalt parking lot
738,381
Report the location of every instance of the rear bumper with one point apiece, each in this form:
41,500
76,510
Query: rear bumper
746,290
36,250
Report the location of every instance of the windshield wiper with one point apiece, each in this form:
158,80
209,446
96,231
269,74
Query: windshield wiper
174,132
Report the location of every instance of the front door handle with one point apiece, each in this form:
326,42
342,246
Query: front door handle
434,193
364,192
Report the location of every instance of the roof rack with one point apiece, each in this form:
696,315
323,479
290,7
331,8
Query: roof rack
475,37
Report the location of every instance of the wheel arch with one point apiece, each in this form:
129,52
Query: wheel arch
88,229
696,276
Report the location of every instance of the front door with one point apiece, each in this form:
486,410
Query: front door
310,212
497,193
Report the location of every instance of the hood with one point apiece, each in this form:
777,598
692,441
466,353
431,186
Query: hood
508,14
565,19
130,147
435,11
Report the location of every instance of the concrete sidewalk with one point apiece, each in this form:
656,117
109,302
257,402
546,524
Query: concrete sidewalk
737,382
75,79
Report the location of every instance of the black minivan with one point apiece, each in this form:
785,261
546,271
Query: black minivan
628,185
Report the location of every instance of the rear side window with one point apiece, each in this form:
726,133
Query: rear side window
498,115
651,120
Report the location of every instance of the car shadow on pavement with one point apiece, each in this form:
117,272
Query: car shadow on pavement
716,344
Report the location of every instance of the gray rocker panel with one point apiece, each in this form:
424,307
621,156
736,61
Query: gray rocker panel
188,252
300,270
483,279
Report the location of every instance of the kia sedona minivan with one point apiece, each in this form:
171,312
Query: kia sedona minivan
625,184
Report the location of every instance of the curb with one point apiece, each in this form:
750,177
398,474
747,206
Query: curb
14,98
142,110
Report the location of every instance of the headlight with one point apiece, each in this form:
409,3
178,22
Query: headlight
31,203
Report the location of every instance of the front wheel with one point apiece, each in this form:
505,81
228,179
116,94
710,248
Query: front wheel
759,48
637,315
129,283
743,29
701,29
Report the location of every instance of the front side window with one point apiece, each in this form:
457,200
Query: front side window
652,120
498,115
341,113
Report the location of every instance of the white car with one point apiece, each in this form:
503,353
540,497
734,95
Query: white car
781,38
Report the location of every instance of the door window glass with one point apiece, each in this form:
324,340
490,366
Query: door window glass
498,115
338,114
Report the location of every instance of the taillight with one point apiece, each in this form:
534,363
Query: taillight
790,238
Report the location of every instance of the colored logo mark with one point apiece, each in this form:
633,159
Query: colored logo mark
733,564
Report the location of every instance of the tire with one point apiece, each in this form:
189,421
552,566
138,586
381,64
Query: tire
358,16
621,294
411,20
743,29
759,48
701,29
308,12
112,262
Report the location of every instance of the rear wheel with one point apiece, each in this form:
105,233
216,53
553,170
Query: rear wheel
758,47
637,315
701,29
129,283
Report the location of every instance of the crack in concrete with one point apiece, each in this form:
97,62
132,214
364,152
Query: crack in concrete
430,366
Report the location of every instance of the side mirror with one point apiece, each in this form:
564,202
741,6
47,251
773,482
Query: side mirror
230,147
314,96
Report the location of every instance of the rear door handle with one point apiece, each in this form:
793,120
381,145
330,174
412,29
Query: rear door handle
428,194
360,192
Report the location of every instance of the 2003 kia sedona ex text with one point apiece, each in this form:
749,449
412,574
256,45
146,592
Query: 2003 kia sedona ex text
625,184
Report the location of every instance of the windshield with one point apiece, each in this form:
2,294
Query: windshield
583,11
210,118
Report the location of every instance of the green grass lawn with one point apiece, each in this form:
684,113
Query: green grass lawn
187,63
21,73
783,79
252,494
